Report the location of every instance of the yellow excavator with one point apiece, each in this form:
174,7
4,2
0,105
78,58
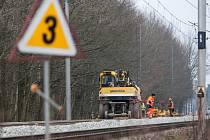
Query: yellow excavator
119,96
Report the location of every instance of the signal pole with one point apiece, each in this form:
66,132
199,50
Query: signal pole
201,69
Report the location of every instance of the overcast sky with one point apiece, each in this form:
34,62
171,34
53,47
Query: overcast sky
184,10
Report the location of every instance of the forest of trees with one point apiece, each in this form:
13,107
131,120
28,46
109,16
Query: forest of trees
113,35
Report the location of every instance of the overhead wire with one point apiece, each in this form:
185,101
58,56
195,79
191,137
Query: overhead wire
156,11
191,4
196,25
181,21
164,7
196,6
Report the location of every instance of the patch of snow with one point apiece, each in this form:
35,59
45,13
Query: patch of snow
11,131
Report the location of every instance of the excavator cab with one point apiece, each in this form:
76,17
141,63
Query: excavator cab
107,79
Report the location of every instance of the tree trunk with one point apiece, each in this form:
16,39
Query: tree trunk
3,99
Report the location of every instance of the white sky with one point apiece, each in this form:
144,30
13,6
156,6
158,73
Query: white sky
184,11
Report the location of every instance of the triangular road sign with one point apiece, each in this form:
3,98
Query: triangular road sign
48,33
200,89
200,92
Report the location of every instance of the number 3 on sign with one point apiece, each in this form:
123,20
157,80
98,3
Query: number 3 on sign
48,39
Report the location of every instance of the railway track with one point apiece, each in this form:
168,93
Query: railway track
107,133
42,123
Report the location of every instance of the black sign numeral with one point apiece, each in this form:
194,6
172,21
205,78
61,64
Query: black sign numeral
51,38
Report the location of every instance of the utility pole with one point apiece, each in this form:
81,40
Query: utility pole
172,69
138,38
68,72
201,69
140,32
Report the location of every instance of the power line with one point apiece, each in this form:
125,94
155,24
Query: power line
196,7
155,10
191,4
196,25
173,14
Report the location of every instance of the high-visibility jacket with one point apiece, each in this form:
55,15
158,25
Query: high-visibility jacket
150,101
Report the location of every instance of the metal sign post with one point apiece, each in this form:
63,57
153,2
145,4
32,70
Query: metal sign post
68,73
46,103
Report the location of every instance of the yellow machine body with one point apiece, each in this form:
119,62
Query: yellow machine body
118,91
128,89
118,95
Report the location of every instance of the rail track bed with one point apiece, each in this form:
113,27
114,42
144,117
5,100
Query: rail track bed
42,123
107,133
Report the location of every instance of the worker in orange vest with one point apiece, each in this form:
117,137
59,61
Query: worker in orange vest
150,105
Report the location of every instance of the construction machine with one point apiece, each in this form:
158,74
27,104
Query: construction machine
119,96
